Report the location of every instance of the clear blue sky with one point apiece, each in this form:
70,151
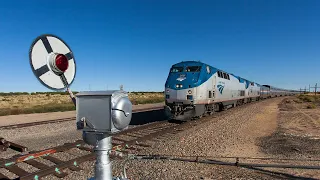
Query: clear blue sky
134,43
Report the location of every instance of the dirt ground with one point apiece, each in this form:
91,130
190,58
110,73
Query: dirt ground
274,128
297,134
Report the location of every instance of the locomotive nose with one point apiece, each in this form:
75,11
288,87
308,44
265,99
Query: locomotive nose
186,80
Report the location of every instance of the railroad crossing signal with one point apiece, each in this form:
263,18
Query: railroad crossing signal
52,62
98,114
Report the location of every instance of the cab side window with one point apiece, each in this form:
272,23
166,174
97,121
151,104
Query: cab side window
223,75
208,70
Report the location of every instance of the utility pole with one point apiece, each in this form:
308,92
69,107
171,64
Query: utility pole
315,89
305,90
309,87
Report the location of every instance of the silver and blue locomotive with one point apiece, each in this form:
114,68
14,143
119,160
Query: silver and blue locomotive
193,89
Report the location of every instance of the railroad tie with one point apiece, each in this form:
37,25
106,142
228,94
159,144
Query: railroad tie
3,148
42,166
85,148
58,161
18,147
3,177
17,170
2,140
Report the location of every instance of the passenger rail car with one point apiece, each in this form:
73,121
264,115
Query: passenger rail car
193,89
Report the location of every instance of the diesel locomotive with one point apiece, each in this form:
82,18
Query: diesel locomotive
194,89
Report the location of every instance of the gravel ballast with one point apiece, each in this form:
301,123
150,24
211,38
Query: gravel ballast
236,133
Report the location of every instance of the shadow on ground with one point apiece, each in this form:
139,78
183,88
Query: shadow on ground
146,117
286,145
279,175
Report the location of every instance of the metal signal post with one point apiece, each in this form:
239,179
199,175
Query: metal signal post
99,114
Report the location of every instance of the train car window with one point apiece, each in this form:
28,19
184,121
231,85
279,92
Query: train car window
208,70
193,68
228,76
225,75
219,74
241,93
176,69
209,94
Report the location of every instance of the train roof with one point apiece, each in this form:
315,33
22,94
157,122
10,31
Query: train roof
199,63
188,63
276,88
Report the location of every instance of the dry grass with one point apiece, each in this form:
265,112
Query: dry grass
146,98
40,103
312,93
309,98
311,106
312,101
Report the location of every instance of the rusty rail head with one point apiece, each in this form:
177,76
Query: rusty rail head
57,169
36,154
16,126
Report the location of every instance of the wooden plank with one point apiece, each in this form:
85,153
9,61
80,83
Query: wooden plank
3,177
53,159
16,170
37,164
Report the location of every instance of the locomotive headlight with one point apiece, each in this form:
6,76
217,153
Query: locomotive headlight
177,86
189,92
180,85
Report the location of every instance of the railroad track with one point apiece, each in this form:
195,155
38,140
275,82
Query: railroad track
132,140
129,140
22,125
4,145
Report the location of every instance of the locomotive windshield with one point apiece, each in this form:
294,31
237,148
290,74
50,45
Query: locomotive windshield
193,69
176,69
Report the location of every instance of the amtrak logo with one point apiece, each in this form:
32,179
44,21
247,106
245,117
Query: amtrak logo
182,77
220,87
